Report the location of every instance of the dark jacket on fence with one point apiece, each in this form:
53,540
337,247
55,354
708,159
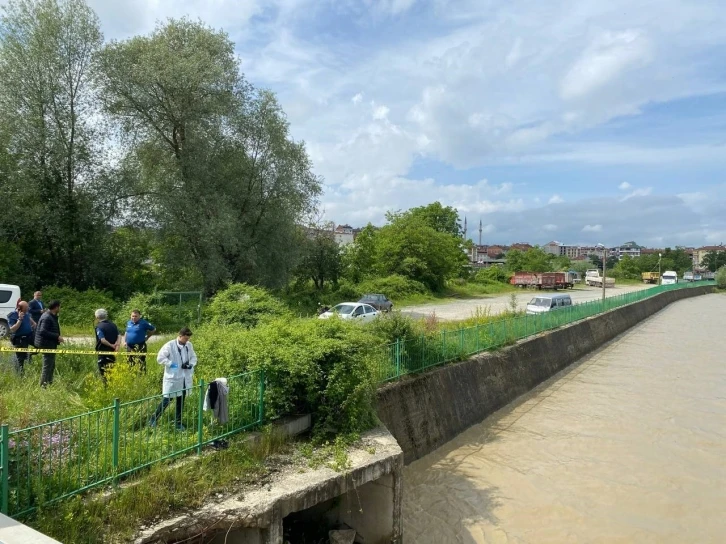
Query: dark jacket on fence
48,331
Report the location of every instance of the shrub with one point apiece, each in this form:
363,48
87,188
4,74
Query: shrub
77,307
721,278
155,308
244,305
394,287
317,366
394,325
491,274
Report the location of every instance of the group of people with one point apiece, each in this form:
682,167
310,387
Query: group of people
35,325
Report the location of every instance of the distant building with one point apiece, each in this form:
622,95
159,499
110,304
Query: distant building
521,246
344,234
631,249
700,254
494,252
554,248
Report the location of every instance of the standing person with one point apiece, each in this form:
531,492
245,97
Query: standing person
36,306
48,336
179,360
138,331
21,333
107,340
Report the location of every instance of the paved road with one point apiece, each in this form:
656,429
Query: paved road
464,308
628,445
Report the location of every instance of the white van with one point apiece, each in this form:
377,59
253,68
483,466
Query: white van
669,278
547,303
9,295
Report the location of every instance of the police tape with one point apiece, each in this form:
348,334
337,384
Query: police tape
75,352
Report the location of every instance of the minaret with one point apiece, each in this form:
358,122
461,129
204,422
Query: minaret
465,228
479,231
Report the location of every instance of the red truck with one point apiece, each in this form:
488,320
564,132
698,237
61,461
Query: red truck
543,280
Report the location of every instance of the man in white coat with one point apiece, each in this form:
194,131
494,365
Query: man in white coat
179,360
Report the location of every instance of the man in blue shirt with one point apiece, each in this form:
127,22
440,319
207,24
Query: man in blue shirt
21,332
137,332
36,306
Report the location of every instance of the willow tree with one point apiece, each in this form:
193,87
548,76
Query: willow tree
48,117
216,169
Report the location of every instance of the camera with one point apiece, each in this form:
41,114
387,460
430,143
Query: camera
186,366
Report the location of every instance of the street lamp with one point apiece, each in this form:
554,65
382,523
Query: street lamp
604,264
660,256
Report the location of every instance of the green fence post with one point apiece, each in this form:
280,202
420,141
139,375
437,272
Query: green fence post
477,337
116,435
443,345
200,418
261,406
397,355
5,452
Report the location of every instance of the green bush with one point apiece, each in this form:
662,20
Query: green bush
244,305
318,366
394,287
156,308
77,307
721,278
394,325
491,274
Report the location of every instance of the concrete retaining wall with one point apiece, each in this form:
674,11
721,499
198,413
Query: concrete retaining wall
426,411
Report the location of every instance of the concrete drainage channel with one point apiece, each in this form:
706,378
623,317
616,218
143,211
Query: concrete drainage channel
362,504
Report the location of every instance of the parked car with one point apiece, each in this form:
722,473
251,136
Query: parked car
547,303
379,302
351,310
9,295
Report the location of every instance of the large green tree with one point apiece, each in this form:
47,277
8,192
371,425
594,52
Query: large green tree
408,245
443,219
51,148
215,166
321,259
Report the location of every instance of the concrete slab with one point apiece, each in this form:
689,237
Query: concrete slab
290,490
14,532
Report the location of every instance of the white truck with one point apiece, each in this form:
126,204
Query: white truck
669,277
594,279
9,295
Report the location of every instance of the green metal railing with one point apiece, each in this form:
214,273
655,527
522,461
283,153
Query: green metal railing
413,355
48,462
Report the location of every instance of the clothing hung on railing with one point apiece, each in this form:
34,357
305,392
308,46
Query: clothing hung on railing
216,400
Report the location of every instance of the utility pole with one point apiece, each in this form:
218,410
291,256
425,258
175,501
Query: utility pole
660,256
604,265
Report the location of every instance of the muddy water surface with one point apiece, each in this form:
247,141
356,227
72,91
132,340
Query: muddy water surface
629,445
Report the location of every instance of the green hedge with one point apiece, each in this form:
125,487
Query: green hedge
78,307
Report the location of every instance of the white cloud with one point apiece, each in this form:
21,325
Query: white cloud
556,199
357,98
607,59
380,112
550,227
592,228
624,186
645,191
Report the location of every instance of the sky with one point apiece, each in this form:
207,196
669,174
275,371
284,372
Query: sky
578,121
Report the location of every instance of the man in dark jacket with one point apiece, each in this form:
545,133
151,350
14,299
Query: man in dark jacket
21,333
47,336
107,340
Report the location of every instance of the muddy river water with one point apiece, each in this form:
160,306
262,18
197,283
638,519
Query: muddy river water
628,445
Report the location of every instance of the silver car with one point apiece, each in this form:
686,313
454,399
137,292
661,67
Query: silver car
351,310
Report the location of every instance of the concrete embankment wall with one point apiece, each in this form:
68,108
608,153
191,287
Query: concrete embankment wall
426,411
